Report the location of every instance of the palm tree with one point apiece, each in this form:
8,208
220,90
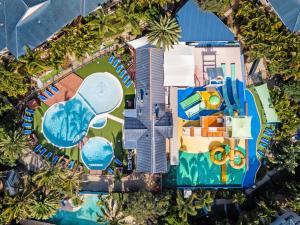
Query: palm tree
239,198
12,84
110,212
71,184
128,15
31,62
164,33
50,179
186,206
16,207
43,206
102,23
12,145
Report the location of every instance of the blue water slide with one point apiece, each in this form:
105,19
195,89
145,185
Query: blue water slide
229,107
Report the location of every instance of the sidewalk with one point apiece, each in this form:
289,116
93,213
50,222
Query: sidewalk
107,183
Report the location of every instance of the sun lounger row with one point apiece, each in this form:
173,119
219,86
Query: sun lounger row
28,119
40,150
43,97
122,73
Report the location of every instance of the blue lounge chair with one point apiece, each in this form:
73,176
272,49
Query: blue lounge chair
28,118
48,93
119,68
264,145
55,160
27,125
122,73
261,153
29,111
37,148
48,156
42,98
128,83
118,162
269,130
43,151
125,79
265,140
71,165
111,171
116,63
268,134
111,59
27,132
53,88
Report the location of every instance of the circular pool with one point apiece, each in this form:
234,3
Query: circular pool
97,153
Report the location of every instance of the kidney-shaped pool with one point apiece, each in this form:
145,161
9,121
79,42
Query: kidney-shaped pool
66,123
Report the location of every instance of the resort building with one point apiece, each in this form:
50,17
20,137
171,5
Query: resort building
211,127
31,22
148,127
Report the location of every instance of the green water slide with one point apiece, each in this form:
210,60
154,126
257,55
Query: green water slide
195,98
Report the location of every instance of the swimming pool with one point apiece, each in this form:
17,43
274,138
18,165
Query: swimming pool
86,215
66,123
99,123
97,153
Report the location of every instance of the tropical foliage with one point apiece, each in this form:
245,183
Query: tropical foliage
39,195
164,33
216,6
110,212
12,145
265,36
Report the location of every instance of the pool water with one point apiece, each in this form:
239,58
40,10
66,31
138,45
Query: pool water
66,123
97,153
86,215
99,123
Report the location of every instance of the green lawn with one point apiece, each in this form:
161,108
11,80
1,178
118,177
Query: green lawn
49,75
112,131
101,65
261,113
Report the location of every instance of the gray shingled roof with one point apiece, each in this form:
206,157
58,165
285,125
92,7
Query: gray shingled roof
19,27
150,133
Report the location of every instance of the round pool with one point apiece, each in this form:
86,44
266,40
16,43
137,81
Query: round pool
97,153
66,123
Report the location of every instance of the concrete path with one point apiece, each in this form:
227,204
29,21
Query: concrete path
107,183
117,119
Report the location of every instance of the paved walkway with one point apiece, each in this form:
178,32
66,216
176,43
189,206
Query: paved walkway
67,87
107,183
117,119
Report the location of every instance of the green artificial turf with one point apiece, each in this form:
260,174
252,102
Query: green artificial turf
112,131
102,65
262,116
49,75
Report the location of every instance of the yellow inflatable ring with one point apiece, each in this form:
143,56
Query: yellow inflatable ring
213,158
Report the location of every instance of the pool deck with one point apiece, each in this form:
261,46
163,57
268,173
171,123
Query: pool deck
67,87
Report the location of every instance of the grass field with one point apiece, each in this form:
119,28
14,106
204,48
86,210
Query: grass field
112,131
261,113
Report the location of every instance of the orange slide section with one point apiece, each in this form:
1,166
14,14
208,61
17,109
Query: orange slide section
225,157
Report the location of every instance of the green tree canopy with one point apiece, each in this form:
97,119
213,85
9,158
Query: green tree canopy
164,33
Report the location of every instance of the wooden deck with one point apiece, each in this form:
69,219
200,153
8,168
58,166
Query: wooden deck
67,87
